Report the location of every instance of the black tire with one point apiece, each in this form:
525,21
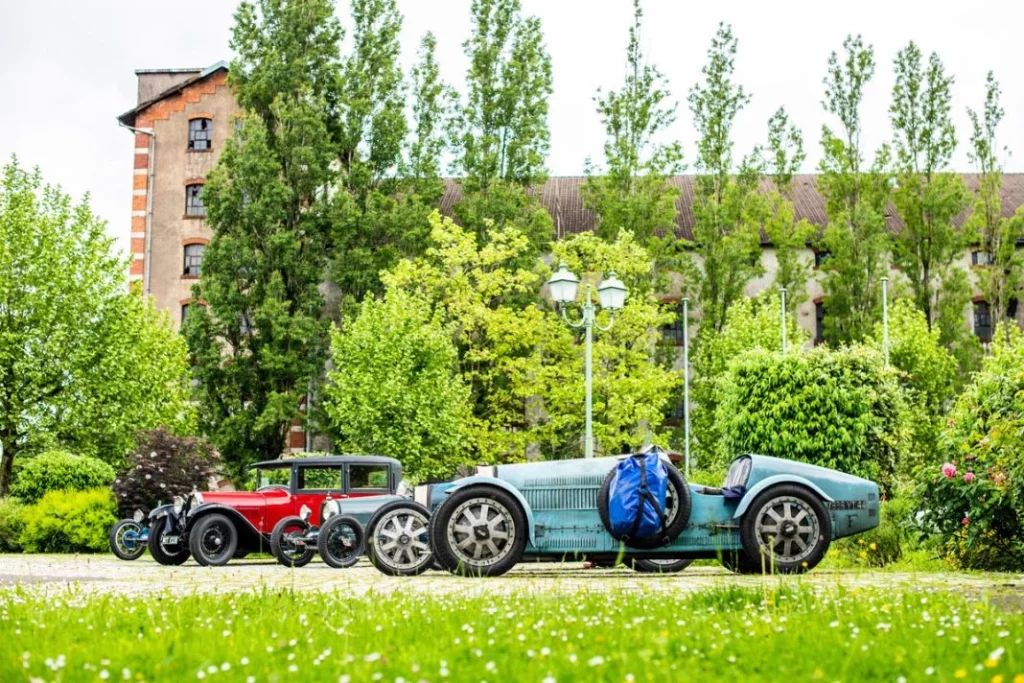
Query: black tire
341,541
785,507
123,548
678,517
660,566
213,540
468,505
283,549
170,556
398,539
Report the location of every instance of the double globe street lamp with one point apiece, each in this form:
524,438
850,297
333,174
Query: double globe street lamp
612,295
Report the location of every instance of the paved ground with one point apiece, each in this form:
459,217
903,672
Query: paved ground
106,574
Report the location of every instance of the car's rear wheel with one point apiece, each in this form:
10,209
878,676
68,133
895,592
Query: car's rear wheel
341,541
787,526
285,544
125,540
479,531
678,502
170,554
398,541
661,566
213,540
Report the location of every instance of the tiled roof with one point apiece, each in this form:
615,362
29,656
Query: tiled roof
563,199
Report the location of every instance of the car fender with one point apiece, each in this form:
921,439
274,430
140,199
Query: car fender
760,486
160,511
244,526
504,485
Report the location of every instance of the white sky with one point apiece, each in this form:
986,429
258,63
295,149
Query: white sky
66,69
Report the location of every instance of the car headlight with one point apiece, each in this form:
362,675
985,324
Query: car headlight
305,512
421,494
197,497
138,516
330,508
487,470
179,505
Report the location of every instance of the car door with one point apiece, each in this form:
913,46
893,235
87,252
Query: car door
311,485
367,479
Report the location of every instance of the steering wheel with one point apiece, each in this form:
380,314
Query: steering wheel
272,486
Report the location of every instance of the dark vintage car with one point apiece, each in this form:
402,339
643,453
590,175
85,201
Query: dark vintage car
213,527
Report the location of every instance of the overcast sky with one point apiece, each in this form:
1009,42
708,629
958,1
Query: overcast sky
66,69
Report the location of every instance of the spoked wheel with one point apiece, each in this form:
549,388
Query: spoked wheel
788,525
661,566
213,540
285,544
479,531
340,541
398,542
171,554
126,540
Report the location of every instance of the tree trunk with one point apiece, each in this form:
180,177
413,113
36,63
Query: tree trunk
6,468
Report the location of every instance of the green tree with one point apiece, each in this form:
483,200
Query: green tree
259,343
502,135
84,362
855,201
928,197
1000,280
726,207
634,193
396,388
788,236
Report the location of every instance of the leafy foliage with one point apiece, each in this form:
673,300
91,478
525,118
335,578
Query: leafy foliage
163,466
975,501
838,409
83,361
12,524
69,522
395,387
59,471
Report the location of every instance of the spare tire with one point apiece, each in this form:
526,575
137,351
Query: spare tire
677,510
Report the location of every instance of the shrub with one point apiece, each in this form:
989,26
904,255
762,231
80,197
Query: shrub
69,522
840,409
12,522
886,543
163,466
60,471
975,500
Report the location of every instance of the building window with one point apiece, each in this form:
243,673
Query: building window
672,333
200,134
184,313
819,322
820,256
194,259
980,257
1011,310
194,200
982,321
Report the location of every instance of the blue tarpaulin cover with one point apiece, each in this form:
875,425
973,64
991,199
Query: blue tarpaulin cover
636,496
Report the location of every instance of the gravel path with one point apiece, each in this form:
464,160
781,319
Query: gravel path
107,574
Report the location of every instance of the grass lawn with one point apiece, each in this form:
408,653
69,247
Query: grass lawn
781,631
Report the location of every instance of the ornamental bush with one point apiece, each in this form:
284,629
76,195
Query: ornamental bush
69,522
163,466
12,522
840,409
59,471
975,499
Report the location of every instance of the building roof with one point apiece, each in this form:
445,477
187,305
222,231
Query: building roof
128,118
563,199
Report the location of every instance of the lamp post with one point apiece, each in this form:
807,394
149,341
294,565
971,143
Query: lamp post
612,295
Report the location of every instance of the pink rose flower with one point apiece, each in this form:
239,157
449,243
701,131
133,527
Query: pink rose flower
965,521
968,477
949,470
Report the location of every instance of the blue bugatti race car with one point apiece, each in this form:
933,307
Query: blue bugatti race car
770,515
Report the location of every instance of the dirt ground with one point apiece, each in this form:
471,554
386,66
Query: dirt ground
107,574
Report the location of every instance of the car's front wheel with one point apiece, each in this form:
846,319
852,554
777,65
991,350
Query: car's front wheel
661,566
340,541
398,542
125,540
285,544
213,540
787,526
478,531
170,554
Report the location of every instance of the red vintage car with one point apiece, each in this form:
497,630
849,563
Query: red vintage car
214,527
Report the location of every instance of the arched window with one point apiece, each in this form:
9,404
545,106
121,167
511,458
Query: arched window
200,134
194,260
194,200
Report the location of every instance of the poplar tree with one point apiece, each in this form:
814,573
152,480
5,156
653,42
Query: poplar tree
259,343
633,193
726,209
855,201
928,197
1001,280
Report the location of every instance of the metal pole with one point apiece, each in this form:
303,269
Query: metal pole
686,387
885,319
588,323
783,292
